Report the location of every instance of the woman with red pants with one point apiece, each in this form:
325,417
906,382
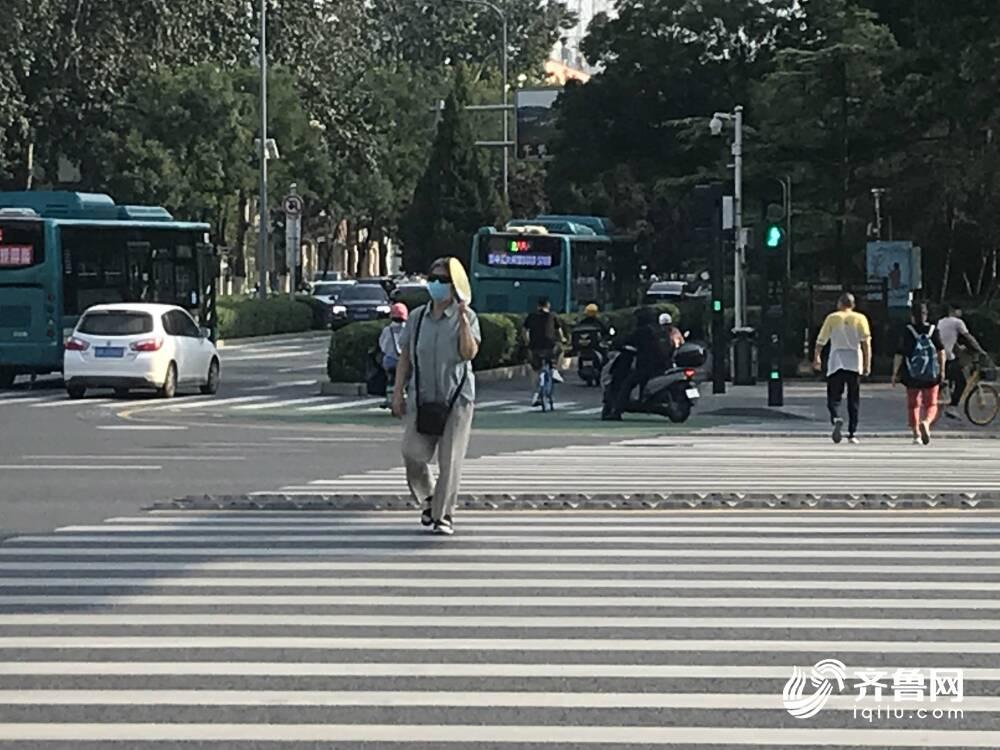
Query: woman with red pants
919,365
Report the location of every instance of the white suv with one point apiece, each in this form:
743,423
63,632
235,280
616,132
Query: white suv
139,346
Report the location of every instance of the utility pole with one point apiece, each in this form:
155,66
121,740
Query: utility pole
263,212
739,261
741,251
505,107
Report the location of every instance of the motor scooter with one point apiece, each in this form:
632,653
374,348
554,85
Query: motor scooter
671,394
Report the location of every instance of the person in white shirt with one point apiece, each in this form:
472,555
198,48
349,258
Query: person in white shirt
953,330
850,338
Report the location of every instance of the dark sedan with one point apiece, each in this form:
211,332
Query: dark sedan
359,302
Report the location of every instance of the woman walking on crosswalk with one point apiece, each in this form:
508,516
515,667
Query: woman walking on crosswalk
438,346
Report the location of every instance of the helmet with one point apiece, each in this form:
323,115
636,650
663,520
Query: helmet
591,310
399,311
666,319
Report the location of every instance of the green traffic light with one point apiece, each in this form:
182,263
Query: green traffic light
774,236
716,305
775,375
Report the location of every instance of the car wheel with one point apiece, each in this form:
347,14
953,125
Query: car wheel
211,386
7,376
169,387
121,392
76,391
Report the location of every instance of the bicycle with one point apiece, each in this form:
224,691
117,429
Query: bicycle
981,397
546,385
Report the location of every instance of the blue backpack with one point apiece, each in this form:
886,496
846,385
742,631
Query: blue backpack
922,363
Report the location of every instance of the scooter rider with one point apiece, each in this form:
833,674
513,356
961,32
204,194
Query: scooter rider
671,337
591,322
648,360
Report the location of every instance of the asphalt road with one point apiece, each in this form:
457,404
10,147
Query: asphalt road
66,462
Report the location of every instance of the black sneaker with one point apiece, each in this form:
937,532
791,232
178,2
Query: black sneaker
426,519
838,430
925,434
444,526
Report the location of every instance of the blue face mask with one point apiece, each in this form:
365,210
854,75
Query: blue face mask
438,290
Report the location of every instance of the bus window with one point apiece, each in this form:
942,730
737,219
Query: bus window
585,273
22,244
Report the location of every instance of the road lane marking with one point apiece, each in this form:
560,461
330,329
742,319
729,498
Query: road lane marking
80,402
155,567
619,584
51,546
279,404
141,427
422,669
214,599
170,535
411,644
451,699
340,405
80,467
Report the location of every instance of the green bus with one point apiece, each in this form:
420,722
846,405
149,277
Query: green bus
572,260
61,252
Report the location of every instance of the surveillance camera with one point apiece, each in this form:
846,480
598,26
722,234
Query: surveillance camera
716,126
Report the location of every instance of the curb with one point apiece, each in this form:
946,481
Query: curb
310,334
581,502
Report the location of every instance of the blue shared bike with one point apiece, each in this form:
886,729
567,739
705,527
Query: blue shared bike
546,386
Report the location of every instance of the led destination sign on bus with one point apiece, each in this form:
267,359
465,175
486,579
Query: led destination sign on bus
521,252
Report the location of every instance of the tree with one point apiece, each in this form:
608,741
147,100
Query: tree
825,114
634,140
456,195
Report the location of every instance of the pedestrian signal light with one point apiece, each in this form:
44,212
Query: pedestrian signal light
774,236
716,305
775,375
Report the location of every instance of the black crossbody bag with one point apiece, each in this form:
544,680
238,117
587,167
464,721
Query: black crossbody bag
432,417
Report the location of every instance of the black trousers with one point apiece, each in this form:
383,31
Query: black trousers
835,385
956,380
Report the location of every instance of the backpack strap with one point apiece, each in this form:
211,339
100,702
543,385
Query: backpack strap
416,363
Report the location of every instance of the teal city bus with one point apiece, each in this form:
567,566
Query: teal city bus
571,260
62,252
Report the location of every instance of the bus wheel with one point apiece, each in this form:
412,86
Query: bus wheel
7,376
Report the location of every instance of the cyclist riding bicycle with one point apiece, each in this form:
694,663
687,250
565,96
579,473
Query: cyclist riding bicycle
953,332
545,337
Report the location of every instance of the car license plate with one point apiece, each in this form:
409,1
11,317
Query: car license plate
109,352
692,393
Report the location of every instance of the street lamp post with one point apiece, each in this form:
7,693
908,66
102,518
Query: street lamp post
739,263
262,153
504,55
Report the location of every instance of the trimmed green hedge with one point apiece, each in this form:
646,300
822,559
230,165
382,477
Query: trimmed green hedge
348,352
500,347
243,317
320,311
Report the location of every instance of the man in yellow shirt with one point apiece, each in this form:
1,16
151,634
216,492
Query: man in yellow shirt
850,338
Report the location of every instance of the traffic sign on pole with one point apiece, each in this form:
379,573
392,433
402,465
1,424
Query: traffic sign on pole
293,206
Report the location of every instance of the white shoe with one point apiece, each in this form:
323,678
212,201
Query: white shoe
853,440
917,440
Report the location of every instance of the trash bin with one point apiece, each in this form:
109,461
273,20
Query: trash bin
743,357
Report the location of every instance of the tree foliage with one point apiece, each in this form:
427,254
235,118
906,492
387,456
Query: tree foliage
456,194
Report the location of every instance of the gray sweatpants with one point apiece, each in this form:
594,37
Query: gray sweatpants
418,452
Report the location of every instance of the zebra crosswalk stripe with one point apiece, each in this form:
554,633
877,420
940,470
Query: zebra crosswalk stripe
708,465
511,646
